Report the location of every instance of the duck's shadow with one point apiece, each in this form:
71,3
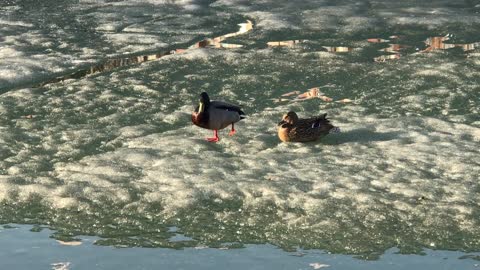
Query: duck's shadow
361,135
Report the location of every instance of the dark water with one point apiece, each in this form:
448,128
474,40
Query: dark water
22,249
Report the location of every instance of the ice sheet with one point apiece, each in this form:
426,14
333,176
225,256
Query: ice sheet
115,154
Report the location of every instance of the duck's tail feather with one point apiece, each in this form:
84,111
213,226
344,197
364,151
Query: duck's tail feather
242,114
334,130
320,120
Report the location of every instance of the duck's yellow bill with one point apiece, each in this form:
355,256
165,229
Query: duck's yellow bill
200,107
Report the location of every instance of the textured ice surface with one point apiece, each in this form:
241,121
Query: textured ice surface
347,16
42,39
116,155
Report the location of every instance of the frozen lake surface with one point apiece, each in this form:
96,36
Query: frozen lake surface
96,137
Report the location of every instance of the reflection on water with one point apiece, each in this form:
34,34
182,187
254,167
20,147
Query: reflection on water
217,41
438,43
395,48
286,43
337,49
384,58
121,62
432,43
381,40
293,43
106,66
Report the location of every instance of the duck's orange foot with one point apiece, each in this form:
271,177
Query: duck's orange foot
214,139
232,132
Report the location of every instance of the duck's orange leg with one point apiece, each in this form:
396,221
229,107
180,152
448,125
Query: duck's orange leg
233,131
215,138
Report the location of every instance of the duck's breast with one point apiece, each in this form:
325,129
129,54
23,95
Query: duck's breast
200,119
283,134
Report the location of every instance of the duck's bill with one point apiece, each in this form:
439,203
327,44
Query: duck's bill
281,123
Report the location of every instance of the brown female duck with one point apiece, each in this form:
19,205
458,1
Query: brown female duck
293,129
216,115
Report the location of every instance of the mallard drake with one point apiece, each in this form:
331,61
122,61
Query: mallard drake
293,129
216,115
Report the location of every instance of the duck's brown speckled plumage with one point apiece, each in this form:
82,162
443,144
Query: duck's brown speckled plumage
293,129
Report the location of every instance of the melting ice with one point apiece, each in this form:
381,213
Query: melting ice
114,153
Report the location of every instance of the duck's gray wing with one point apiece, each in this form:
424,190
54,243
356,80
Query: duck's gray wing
221,118
221,105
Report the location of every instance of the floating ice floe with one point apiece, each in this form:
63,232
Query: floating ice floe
69,243
60,266
319,265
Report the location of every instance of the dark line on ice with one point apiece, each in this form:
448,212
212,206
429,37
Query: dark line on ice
112,64
106,66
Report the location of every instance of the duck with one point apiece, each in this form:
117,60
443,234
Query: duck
293,129
216,115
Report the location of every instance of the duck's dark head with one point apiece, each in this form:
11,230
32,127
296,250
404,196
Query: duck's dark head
289,118
204,102
200,116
